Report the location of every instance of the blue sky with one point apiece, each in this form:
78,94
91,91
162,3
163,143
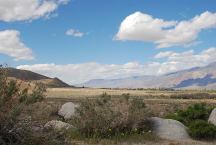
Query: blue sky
98,21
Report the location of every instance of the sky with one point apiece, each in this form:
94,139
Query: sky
80,40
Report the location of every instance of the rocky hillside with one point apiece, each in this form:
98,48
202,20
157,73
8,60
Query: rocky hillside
195,78
31,77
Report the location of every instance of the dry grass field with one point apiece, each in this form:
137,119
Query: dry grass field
159,101
93,92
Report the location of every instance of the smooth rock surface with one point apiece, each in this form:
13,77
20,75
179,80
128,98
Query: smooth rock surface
169,129
57,125
212,117
67,110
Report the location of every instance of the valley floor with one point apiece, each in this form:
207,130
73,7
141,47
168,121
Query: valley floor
161,102
93,92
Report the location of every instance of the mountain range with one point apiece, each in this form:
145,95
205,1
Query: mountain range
195,78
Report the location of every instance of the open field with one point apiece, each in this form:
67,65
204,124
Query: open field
159,101
91,92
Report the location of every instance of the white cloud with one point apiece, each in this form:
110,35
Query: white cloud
188,59
75,33
139,26
164,54
143,27
19,10
79,73
11,45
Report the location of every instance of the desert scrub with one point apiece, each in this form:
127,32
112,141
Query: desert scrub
12,102
196,119
106,117
196,112
201,129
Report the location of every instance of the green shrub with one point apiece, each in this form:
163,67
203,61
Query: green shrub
192,113
106,117
196,119
200,129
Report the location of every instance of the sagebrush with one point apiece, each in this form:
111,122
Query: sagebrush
106,117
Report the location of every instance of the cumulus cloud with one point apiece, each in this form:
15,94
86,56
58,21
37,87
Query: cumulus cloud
11,45
79,73
19,10
144,27
75,33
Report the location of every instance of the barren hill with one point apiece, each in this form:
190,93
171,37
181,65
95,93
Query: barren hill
32,77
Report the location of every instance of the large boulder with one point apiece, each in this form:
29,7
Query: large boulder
67,110
57,125
169,129
212,117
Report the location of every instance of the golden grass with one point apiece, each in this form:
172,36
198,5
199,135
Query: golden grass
92,92
158,101
87,92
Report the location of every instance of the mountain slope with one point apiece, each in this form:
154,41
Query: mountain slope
32,77
198,77
24,74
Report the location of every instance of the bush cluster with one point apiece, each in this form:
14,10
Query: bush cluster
196,119
106,117
195,112
200,129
